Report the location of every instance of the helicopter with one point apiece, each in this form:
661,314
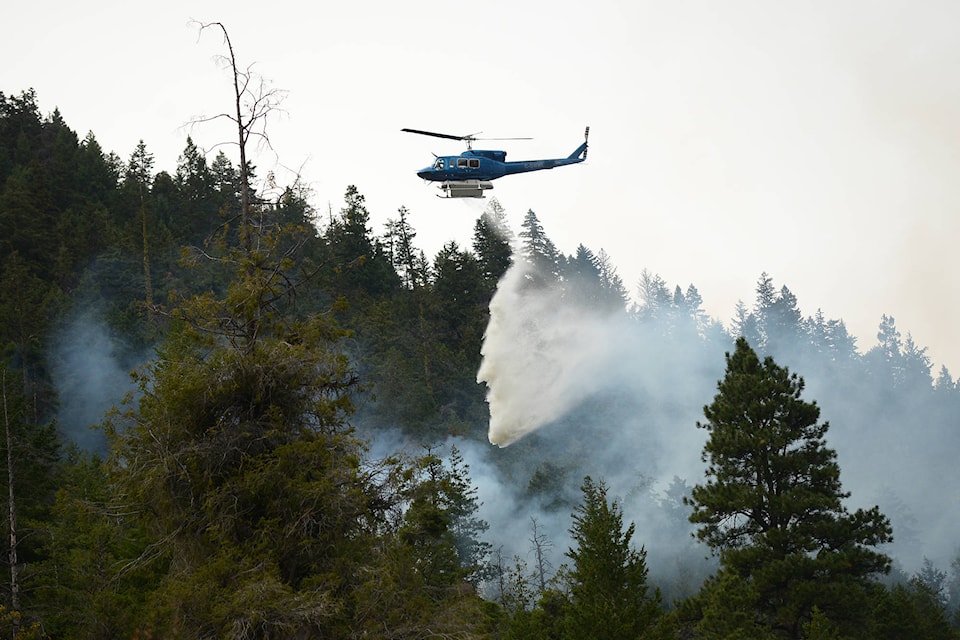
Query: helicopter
472,172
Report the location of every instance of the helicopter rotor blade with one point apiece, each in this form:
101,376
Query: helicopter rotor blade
437,135
469,138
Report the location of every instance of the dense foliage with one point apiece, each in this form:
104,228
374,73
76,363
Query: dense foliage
243,489
772,505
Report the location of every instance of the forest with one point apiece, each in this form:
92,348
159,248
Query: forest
226,415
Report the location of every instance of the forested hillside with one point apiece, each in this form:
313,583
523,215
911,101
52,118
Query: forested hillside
304,447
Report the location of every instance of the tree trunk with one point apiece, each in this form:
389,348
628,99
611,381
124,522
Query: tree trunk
11,512
148,284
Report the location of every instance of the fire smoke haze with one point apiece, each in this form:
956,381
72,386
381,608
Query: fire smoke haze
541,357
577,393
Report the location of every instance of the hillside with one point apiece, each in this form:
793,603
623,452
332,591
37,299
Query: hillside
306,432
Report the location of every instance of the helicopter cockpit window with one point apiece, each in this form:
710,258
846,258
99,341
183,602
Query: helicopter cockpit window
438,164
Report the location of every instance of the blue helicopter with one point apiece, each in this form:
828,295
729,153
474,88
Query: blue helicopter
470,174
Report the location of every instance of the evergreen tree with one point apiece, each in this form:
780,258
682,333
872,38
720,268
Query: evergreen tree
916,366
911,610
440,522
226,182
609,596
20,131
539,250
90,587
457,317
581,279
745,324
783,324
422,578
491,242
766,299
402,252
772,506
196,210
139,179
238,457
363,266
654,299
885,360
615,294
29,454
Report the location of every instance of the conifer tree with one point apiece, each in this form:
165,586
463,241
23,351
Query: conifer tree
609,596
491,243
772,506
28,457
238,456
539,250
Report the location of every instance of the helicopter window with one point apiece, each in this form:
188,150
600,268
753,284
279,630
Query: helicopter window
461,162
438,164
474,163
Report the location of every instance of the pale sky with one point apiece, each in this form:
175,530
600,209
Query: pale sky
816,141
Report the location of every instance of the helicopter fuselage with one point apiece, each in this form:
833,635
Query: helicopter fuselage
469,174
486,165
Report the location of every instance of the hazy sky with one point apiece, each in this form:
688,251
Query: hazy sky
816,141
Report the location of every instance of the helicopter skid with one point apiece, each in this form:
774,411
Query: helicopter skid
464,188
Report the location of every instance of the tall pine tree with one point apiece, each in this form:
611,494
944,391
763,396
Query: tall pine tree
609,596
772,506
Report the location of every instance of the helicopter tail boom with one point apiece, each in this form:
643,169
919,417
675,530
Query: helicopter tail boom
581,150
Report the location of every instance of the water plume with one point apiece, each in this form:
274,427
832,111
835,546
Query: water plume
542,355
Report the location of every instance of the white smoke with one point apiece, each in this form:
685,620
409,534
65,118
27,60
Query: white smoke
541,357
90,375
604,395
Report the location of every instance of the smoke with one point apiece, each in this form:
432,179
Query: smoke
573,391
91,374
541,357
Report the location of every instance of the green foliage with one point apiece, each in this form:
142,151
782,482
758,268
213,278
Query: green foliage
362,266
29,454
539,250
772,505
440,525
728,610
238,502
911,611
93,583
238,452
491,242
608,592
13,620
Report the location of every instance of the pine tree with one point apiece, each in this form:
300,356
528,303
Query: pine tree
609,596
363,266
772,506
402,252
140,177
29,454
539,250
491,242
581,279
655,299
615,294
238,457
